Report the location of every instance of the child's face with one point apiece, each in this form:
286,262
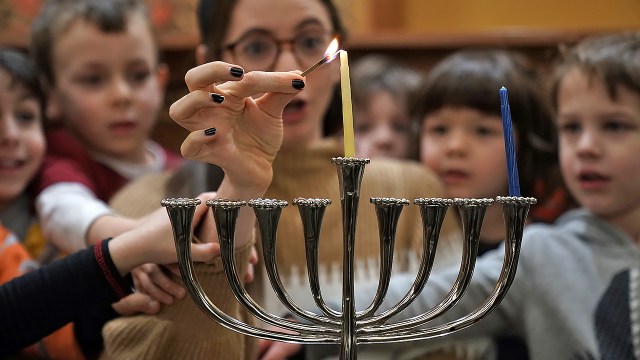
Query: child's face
382,128
599,143
108,88
465,147
22,144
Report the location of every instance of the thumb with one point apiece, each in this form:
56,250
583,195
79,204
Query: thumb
137,303
274,103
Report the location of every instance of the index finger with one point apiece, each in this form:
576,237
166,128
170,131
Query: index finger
261,82
204,76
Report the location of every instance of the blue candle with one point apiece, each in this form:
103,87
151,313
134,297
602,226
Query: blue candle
510,148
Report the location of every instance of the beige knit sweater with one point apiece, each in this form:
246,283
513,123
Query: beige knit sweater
181,330
307,173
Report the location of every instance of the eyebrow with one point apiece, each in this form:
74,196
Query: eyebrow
304,23
308,21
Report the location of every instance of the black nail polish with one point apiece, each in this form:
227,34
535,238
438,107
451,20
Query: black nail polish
236,71
297,84
217,98
210,131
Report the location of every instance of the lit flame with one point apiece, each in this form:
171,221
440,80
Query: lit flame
332,50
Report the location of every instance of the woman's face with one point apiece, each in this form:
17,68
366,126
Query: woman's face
300,28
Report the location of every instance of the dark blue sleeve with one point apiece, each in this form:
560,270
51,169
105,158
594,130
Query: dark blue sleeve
38,303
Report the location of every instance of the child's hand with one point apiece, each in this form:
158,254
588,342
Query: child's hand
253,260
152,242
137,303
152,280
248,132
276,350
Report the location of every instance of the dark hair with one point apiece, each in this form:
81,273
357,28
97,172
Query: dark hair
472,79
214,17
612,58
56,16
21,70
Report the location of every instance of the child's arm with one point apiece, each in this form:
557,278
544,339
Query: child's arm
70,214
41,301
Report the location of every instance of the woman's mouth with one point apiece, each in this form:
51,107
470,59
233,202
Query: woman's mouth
294,111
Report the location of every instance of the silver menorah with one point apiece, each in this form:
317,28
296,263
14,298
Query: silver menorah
347,326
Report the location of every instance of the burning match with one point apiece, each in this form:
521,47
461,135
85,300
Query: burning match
331,53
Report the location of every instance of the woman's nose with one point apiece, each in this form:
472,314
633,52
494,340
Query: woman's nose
287,60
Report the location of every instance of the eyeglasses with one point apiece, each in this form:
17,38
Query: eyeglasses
259,49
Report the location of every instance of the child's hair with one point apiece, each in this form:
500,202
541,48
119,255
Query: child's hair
56,16
612,58
22,71
472,79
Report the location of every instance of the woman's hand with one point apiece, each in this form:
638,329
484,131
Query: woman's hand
246,113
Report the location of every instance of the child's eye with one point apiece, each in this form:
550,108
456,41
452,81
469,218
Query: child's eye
401,128
569,127
436,129
25,116
139,76
614,125
485,131
363,127
92,80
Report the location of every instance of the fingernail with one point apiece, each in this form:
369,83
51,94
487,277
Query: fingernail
217,98
210,131
297,84
236,71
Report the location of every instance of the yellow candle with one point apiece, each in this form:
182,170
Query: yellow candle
347,111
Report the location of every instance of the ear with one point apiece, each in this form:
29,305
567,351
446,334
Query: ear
54,107
202,53
162,76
